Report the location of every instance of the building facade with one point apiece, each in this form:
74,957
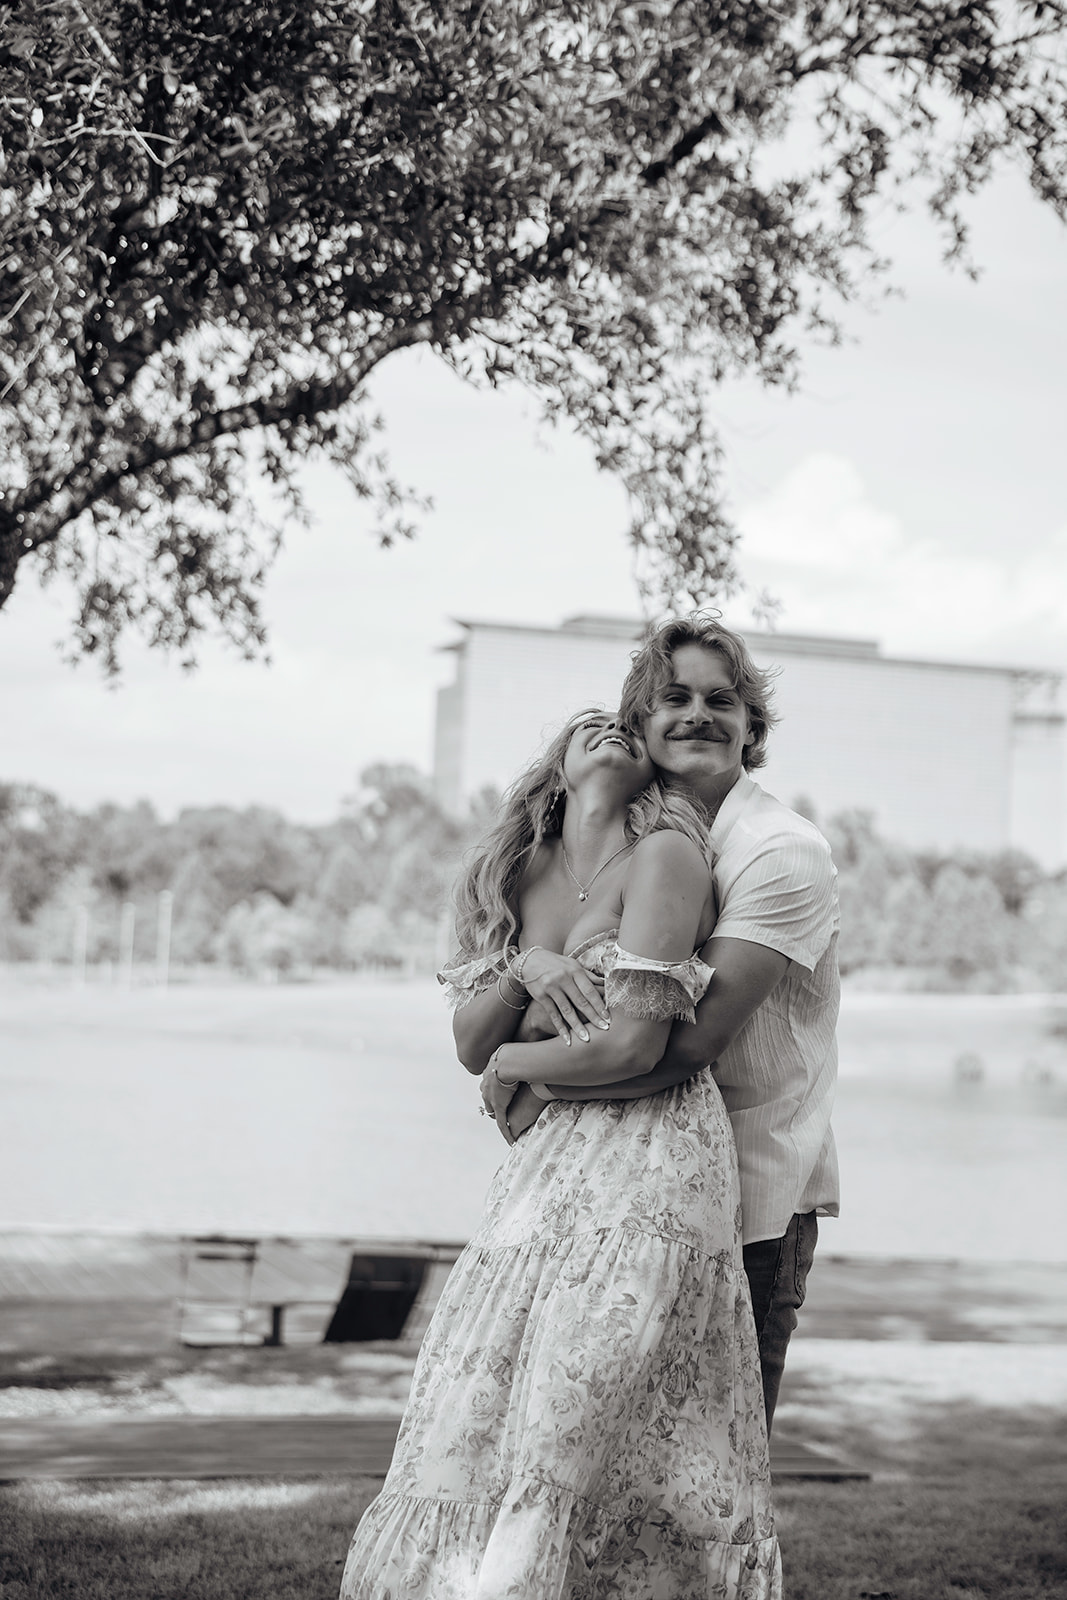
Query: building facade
946,755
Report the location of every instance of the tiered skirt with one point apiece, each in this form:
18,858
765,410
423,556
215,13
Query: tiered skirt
586,1414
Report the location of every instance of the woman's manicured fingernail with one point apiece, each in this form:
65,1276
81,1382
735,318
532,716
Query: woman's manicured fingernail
603,1024
583,1036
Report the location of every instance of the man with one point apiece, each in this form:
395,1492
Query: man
767,1022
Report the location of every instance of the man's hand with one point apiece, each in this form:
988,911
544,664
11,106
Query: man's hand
534,1024
514,1106
524,1111
497,1097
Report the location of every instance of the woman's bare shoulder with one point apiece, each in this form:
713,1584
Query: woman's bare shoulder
667,850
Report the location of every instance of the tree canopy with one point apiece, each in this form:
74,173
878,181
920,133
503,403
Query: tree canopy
217,217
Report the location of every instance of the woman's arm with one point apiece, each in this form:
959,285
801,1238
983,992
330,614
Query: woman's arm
569,996
486,1021
664,901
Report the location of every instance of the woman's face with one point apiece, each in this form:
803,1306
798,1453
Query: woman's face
599,750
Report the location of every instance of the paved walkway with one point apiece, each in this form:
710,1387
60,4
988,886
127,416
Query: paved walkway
74,1296
251,1447
89,1293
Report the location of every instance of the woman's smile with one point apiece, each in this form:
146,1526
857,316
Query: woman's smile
601,737
615,738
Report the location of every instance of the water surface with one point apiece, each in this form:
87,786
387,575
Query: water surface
339,1108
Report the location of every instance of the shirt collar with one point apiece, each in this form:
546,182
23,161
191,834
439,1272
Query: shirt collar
728,813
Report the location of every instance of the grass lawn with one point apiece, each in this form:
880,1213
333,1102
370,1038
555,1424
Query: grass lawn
970,1505
178,1540
965,1502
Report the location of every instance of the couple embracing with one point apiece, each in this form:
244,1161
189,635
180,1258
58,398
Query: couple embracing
647,986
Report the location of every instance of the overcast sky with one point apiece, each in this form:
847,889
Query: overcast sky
912,492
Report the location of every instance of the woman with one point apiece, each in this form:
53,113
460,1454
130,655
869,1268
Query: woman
586,1414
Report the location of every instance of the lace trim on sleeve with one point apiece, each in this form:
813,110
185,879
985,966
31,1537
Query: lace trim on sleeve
657,991
462,980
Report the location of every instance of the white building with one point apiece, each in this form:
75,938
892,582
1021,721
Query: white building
945,754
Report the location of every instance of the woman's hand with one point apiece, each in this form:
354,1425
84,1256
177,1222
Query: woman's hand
566,995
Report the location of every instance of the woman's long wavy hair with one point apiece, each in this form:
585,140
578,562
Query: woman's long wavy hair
487,891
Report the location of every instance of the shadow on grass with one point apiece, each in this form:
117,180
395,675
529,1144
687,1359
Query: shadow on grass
966,1504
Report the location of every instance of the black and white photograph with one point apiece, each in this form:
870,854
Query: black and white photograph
533,800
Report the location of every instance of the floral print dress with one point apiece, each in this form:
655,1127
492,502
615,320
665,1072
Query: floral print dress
586,1415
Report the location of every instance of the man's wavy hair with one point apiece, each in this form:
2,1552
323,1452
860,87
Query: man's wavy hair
487,891
652,671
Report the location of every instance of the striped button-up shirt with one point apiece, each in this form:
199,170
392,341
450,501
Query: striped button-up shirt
776,885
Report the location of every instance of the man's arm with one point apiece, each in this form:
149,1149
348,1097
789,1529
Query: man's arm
745,974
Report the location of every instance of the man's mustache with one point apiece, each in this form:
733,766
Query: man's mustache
708,735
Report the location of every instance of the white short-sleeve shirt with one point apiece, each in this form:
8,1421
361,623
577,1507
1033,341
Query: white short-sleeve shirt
776,885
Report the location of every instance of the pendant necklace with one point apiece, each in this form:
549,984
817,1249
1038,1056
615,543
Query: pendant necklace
584,888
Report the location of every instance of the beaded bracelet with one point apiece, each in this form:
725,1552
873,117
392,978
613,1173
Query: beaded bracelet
515,969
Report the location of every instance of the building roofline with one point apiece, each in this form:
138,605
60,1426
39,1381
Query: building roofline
543,627
810,644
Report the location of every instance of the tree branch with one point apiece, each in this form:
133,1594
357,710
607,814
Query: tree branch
683,146
90,481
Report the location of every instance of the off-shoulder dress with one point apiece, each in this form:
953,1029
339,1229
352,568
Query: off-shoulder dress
586,1414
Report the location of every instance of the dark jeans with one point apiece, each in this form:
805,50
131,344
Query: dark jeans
777,1277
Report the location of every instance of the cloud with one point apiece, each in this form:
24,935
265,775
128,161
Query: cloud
842,565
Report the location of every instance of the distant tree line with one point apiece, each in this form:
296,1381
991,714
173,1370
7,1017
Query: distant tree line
255,892
947,920
249,889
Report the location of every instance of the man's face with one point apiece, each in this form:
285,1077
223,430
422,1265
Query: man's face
699,725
